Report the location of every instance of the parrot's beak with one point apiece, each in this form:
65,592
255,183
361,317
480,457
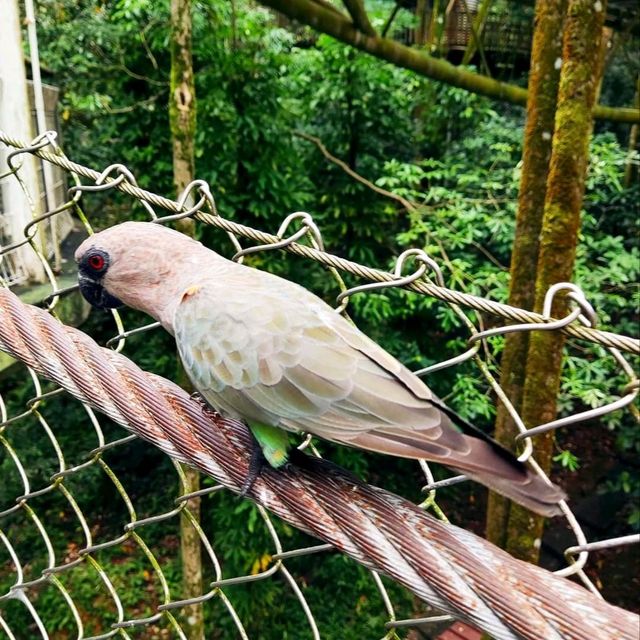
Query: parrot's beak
96,295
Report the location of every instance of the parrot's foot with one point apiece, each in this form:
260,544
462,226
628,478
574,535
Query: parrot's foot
256,464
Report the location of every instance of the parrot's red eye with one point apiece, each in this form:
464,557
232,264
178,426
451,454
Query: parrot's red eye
96,262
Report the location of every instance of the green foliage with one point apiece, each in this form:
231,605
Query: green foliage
467,208
112,62
567,460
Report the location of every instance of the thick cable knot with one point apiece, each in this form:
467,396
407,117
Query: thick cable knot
307,228
197,197
41,141
105,181
584,313
417,255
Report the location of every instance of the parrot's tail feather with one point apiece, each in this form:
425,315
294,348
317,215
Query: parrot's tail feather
481,461
534,492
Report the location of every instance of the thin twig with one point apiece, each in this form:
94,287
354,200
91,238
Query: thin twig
409,206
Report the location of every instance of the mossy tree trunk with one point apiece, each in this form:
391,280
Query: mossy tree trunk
631,168
182,118
582,58
182,99
421,23
541,110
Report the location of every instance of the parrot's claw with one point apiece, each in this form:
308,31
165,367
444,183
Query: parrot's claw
197,396
207,409
256,465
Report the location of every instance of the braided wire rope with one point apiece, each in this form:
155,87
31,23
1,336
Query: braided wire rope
448,567
604,338
361,521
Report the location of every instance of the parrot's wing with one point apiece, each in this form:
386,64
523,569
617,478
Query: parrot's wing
276,354
288,360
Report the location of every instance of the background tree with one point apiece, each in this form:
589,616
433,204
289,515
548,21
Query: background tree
538,134
582,59
182,120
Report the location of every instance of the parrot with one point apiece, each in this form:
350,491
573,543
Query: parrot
265,350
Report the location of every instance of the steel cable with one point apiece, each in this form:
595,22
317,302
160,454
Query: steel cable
604,338
446,566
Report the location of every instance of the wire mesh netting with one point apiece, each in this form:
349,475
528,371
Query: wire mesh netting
121,578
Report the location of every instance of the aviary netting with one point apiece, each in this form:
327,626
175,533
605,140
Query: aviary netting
458,574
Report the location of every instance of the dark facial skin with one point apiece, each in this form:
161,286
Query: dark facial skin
92,267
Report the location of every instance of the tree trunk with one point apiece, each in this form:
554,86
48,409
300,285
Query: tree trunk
582,58
631,169
435,29
421,23
182,117
541,110
182,101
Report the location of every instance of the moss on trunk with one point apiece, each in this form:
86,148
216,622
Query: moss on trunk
579,78
541,109
182,98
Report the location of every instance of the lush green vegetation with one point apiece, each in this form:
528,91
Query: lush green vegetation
454,155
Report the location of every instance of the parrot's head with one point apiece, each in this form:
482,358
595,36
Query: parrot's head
137,264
